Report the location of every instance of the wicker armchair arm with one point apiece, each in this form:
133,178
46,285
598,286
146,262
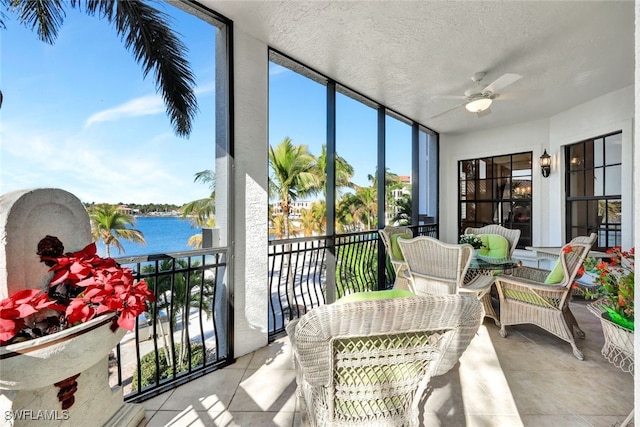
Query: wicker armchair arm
509,281
530,292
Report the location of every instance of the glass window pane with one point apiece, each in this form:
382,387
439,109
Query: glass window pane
428,177
485,168
522,164
598,152
613,180
502,166
398,174
576,184
598,182
356,142
485,213
576,156
613,149
297,118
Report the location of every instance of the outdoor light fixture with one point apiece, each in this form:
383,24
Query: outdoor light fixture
545,164
478,105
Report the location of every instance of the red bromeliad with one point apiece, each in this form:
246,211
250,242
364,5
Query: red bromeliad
83,286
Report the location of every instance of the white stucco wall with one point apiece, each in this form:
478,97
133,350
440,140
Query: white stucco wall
605,114
251,202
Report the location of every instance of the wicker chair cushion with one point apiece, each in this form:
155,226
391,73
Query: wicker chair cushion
374,295
495,246
371,379
395,247
556,275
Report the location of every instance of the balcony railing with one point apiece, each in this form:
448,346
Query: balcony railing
297,272
184,334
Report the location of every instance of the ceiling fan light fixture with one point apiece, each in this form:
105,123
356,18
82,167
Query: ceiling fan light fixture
478,105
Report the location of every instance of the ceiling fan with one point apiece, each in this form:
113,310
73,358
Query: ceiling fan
478,99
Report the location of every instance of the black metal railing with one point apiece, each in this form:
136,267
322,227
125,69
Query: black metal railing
297,272
184,335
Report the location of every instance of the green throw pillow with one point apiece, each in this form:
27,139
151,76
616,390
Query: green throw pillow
495,246
556,275
395,247
374,295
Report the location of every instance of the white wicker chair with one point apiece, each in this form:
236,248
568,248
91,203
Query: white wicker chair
512,235
399,265
438,268
525,298
368,363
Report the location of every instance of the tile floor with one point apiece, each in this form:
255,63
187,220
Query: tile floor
529,378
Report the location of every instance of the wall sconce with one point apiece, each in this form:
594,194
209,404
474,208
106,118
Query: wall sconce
545,164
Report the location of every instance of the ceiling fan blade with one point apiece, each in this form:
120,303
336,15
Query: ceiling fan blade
448,97
447,111
502,82
484,113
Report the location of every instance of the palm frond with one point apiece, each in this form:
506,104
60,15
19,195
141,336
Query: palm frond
43,16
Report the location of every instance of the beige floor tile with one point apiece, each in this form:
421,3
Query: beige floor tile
266,390
530,378
213,392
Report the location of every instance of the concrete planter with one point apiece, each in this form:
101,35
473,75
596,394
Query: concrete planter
44,361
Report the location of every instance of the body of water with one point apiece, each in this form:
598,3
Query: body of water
162,233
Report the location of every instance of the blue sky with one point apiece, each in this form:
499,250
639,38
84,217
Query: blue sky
78,115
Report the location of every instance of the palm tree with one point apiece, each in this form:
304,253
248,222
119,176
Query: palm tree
202,210
344,172
295,174
276,226
110,225
314,219
176,295
145,32
402,209
195,241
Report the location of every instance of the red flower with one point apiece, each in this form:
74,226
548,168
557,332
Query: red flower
86,286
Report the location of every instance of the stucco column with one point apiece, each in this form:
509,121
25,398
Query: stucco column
250,193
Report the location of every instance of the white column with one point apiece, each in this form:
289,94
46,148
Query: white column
250,193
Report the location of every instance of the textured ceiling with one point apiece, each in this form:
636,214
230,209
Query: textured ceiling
403,53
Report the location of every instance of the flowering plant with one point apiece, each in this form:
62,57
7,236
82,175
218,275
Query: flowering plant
83,287
616,288
471,239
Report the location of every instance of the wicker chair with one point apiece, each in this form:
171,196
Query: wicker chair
438,268
369,362
512,235
399,265
525,298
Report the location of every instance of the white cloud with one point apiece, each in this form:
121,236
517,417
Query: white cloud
91,169
144,106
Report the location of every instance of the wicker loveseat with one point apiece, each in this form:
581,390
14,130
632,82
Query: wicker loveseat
369,362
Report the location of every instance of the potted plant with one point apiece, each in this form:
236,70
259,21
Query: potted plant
614,304
472,240
85,293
